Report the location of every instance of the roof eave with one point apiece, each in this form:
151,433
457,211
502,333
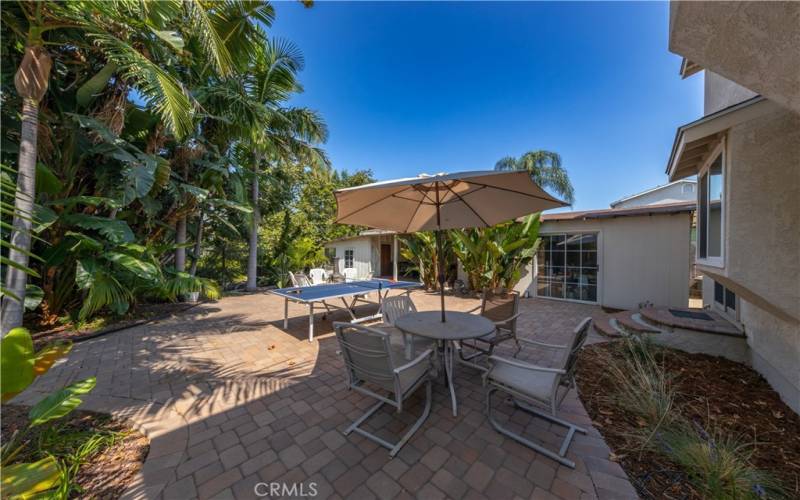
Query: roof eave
702,132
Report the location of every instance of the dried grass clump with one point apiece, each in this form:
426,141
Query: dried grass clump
718,466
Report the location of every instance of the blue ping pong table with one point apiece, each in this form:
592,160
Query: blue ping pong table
350,293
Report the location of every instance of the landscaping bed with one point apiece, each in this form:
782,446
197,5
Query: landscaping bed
723,404
144,313
100,454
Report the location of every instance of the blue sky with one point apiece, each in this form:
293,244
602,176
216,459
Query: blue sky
443,87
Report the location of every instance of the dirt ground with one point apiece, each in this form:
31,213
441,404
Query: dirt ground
721,395
107,473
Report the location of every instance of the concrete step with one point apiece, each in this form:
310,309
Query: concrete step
630,322
602,325
665,319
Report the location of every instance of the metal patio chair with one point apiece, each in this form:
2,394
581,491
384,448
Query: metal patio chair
299,279
544,387
372,365
393,308
502,308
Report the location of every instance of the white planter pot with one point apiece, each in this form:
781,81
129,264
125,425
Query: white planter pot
192,297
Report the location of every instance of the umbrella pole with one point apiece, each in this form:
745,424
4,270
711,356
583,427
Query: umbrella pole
440,266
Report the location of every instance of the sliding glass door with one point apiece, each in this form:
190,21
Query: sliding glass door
568,267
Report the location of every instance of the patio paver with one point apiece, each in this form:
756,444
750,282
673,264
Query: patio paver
229,399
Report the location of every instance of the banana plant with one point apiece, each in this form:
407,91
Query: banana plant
20,365
496,256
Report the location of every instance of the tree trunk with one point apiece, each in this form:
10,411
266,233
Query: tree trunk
252,258
16,279
198,242
180,240
224,265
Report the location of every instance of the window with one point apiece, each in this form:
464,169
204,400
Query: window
330,255
688,188
724,298
348,257
568,267
709,213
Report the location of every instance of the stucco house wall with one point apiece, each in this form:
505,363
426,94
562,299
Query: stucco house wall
683,190
719,93
362,254
762,244
641,258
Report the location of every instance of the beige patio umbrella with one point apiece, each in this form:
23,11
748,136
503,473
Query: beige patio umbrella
443,201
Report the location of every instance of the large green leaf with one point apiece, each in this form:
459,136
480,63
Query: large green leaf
85,272
26,480
16,362
171,37
60,403
116,231
89,90
43,217
33,297
46,180
142,269
139,178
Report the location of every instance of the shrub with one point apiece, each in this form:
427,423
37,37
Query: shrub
717,465
644,388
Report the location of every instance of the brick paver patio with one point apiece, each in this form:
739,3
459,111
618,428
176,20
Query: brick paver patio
229,400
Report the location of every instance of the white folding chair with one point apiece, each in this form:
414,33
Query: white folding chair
317,276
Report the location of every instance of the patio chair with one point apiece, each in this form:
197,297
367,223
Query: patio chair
544,387
350,273
372,363
298,279
502,308
318,276
393,308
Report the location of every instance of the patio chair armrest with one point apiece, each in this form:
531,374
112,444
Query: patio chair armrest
425,354
507,320
542,344
527,366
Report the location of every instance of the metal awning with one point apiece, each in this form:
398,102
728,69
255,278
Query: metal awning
695,141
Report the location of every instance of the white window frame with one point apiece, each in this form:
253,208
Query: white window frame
600,267
719,151
352,258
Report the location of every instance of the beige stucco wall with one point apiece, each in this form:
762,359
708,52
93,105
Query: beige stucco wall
641,259
720,93
762,244
762,211
775,351
752,43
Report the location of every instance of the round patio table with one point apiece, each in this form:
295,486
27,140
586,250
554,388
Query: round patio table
459,326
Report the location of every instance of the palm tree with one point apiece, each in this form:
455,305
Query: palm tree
545,169
285,134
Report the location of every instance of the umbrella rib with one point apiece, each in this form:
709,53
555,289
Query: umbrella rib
408,226
468,205
364,207
512,191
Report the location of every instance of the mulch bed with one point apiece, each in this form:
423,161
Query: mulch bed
721,395
144,313
108,473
